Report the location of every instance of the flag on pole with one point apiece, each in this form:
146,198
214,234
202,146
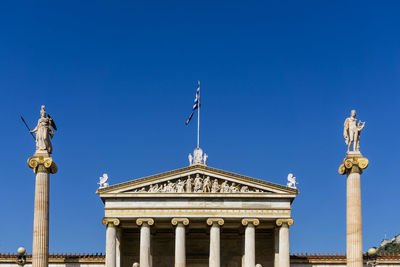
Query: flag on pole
196,104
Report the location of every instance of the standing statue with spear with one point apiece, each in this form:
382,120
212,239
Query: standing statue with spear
44,132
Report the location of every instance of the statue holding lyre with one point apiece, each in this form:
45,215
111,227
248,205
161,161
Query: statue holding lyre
352,130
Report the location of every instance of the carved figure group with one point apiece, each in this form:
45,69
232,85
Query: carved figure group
197,185
198,157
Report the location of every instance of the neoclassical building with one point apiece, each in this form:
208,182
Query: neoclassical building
197,216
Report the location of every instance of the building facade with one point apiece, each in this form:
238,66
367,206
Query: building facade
197,216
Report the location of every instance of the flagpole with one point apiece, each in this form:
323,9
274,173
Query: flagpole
198,120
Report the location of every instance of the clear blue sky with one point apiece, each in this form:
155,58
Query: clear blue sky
278,80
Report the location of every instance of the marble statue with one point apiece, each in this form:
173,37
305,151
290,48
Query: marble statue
291,181
205,159
189,183
198,183
180,186
233,188
244,189
135,264
351,132
103,181
44,132
215,186
225,187
198,156
190,159
207,185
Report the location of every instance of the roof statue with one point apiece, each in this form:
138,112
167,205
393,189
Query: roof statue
44,132
103,181
198,157
351,132
291,181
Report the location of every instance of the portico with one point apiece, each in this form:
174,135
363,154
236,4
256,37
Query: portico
161,221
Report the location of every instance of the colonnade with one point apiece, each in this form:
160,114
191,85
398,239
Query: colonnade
282,257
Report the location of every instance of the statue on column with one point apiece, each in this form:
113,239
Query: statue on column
44,132
352,130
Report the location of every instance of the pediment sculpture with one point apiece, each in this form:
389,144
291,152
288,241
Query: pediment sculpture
197,184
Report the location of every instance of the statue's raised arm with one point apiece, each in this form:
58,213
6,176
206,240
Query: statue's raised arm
44,132
351,132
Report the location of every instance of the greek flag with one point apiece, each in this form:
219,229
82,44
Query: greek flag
196,104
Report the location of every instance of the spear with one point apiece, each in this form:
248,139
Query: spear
22,118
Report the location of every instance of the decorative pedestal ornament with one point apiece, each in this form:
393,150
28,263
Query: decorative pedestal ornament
353,166
42,165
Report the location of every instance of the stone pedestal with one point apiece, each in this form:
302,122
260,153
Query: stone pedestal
352,166
42,165
215,241
145,252
180,244
111,235
284,245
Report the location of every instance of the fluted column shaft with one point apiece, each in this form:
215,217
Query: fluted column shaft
353,165
250,246
180,246
354,226
284,249
180,241
145,239
145,245
250,242
111,234
215,241
40,247
284,256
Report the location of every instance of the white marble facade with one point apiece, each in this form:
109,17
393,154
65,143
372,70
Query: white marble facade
197,216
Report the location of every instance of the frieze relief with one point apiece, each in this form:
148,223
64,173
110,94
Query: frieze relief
197,184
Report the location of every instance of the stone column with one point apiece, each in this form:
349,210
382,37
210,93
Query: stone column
145,252
111,236
215,244
180,246
42,166
118,248
250,242
284,250
276,247
352,166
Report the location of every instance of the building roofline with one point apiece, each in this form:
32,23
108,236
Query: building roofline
191,168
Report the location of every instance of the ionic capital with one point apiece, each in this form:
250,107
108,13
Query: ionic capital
211,221
254,222
184,221
281,222
353,165
113,221
148,221
42,164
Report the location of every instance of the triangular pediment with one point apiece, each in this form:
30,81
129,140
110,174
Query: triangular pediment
196,179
